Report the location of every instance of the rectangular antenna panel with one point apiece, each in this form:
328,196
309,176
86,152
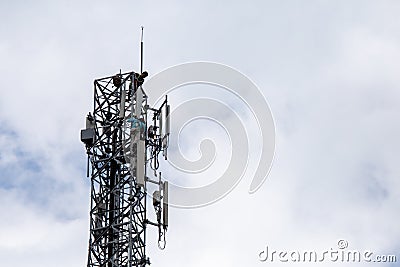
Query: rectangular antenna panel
139,100
122,106
165,204
161,122
140,162
167,123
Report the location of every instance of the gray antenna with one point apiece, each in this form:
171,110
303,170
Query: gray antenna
165,205
160,132
167,123
140,163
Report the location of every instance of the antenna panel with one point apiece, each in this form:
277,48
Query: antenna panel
167,123
165,204
122,106
139,100
140,163
161,122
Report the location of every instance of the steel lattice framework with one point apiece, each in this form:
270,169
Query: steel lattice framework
118,203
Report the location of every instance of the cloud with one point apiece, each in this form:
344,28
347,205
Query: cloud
328,70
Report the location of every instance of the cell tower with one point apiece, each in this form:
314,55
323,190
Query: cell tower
123,138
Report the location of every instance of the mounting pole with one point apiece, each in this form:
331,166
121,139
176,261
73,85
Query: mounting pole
141,52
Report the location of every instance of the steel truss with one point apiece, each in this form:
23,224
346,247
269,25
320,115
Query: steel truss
118,203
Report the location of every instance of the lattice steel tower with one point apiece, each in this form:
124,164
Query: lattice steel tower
121,144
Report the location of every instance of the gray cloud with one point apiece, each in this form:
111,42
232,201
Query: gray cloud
327,68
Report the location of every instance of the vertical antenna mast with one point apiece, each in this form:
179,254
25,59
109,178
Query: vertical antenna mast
141,52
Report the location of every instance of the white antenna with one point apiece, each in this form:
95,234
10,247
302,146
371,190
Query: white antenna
122,104
161,122
139,100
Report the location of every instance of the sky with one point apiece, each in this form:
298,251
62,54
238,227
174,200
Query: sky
328,70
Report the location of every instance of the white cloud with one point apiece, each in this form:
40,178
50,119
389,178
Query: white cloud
328,70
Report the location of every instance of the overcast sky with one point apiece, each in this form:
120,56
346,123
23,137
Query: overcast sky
328,69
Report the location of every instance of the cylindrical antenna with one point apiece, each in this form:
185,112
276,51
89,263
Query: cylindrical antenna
141,52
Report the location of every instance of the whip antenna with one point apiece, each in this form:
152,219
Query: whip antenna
141,52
